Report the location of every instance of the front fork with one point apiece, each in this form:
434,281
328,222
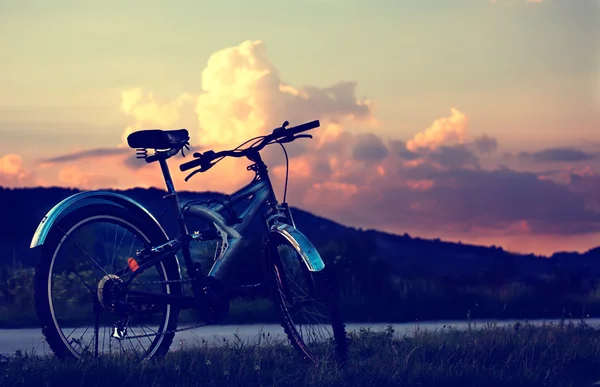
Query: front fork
278,212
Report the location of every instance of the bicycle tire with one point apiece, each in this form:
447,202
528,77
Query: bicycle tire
79,217
324,284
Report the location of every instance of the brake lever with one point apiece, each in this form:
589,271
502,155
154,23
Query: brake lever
292,138
203,168
192,174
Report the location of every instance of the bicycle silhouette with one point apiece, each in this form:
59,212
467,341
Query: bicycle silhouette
118,292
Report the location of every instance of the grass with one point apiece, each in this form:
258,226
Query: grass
516,355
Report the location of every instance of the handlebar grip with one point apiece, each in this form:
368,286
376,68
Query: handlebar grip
304,127
190,164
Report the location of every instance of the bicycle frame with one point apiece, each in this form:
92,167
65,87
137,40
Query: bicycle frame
277,219
259,191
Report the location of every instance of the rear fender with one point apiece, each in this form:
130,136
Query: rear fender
75,201
311,257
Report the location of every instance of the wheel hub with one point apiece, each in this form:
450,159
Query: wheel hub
109,292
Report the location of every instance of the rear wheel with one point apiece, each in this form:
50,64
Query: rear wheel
79,281
307,303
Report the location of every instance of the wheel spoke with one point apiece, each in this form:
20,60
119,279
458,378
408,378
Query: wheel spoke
76,262
311,316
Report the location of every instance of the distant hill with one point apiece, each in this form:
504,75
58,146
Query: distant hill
23,208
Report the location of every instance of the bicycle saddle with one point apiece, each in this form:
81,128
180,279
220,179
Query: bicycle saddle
158,139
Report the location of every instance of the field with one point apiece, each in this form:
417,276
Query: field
564,354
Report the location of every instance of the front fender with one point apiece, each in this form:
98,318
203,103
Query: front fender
311,257
67,204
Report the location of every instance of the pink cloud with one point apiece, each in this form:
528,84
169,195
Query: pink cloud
13,173
431,184
73,177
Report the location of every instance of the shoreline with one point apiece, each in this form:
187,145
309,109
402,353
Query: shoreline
485,320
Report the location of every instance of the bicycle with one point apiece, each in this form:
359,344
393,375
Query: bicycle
114,297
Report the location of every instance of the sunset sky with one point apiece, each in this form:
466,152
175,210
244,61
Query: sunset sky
471,120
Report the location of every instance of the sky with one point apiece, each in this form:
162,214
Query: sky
465,120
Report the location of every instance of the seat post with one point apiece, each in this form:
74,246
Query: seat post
172,194
164,167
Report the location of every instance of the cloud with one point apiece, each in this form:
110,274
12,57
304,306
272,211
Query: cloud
556,155
443,131
244,96
457,156
587,183
369,148
583,181
148,112
446,143
13,173
11,164
86,154
485,144
505,197
430,185
73,177
439,191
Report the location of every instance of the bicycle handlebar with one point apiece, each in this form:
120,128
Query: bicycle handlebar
288,135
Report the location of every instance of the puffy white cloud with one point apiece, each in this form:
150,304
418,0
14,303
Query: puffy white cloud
450,130
244,96
147,112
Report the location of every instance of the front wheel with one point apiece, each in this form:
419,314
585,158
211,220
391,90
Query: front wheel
307,303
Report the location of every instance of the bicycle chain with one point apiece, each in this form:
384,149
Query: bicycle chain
164,282
172,330
166,332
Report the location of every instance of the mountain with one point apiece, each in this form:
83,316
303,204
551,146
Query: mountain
407,256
